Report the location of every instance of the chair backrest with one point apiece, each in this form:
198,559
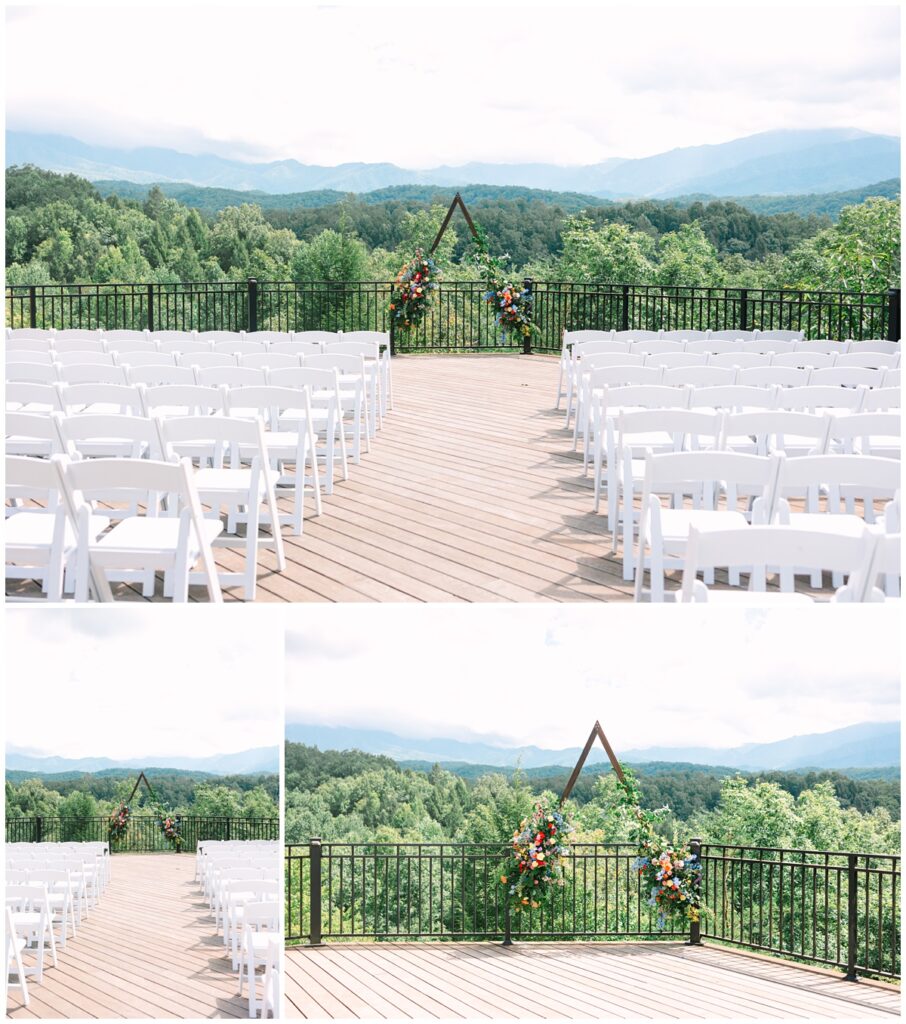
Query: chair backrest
873,360
377,338
77,334
160,336
304,376
758,547
27,396
269,360
823,345
231,376
700,376
126,335
711,344
239,346
592,348
18,355
30,333
211,338
687,427
182,399
705,473
865,476
871,433
136,432
262,916
345,363
875,345
804,357
771,427
813,397
139,343
891,379
85,355
367,349
733,397
153,376
269,399
643,396
204,360
149,358
624,374
674,359
764,345
270,337
28,345
32,479
36,430
178,346
221,436
594,360
775,335
771,376
125,396
656,346
684,335
847,376
296,348
92,373
875,399
66,346
738,358
638,335
36,373
317,337
732,335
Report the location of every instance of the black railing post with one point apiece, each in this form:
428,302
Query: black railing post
253,304
32,306
392,339
743,309
527,338
507,925
893,314
228,830
314,895
151,308
624,320
852,913
39,829
695,927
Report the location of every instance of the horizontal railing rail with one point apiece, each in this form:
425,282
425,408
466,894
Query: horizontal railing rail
454,891
460,319
835,909
143,832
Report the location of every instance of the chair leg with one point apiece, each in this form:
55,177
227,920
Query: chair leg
251,547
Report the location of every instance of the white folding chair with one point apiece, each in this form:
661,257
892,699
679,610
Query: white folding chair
27,396
60,899
779,335
16,944
712,345
83,357
271,337
231,484
699,376
31,433
184,346
381,342
153,357
738,359
32,920
167,400
867,433
682,334
760,550
230,376
761,432
40,346
774,376
355,393
289,439
768,345
369,350
121,346
92,373
827,345
874,345
847,376
804,358
261,926
152,376
107,436
171,540
703,475
269,360
883,399
237,346
732,334
32,373
17,355
319,338
672,360
98,399
657,346
873,360
821,398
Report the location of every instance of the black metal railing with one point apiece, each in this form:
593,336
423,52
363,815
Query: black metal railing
834,909
460,319
143,832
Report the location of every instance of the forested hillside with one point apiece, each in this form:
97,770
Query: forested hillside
59,228
238,796
354,796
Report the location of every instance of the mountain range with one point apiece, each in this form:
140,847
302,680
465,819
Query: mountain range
243,762
866,745
768,163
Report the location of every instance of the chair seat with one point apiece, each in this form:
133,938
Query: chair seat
143,536
838,525
33,446
675,523
230,482
260,942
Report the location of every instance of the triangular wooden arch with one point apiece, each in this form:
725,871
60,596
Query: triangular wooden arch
596,733
141,778
457,201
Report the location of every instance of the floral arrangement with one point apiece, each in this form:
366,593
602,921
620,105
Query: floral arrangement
170,826
119,821
512,305
535,867
412,292
669,872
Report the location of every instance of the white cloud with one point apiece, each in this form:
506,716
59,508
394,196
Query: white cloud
126,682
716,677
448,83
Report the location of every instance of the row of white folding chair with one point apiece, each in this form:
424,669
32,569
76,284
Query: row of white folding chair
785,551
239,477
765,484
639,431
64,895
731,336
70,528
88,859
601,376
736,356
85,884
208,851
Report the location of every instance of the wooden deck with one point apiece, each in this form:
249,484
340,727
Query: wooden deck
148,950
575,981
471,492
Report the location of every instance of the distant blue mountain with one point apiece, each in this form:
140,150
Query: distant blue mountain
243,762
780,162
867,745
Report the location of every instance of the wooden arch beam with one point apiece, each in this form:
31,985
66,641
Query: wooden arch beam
141,778
596,733
457,201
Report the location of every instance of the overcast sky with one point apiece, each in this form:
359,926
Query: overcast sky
128,682
677,676
427,84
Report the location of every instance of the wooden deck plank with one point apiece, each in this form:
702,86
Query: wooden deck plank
148,950
471,492
581,980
